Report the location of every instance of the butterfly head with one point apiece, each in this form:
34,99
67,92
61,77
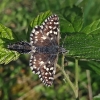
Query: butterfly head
62,50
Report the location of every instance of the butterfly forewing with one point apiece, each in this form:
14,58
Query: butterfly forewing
41,63
44,34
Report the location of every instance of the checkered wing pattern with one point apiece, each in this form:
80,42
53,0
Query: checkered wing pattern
46,34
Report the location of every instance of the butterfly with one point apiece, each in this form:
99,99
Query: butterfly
43,48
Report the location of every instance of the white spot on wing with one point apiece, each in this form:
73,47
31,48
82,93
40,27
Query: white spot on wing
36,40
41,62
50,27
50,22
43,23
34,66
50,31
52,38
43,37
36,37
46,73
41,79
36,26
31,41
30,64
51,78
46,20
47,69
41,26
44,67
37,32
39,75
51,68
33,31
31,34
55,33
38,72
31,67
33,71
56,23
48,62
47,33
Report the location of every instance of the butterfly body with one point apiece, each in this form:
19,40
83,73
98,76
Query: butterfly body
47,49
21,47
44,49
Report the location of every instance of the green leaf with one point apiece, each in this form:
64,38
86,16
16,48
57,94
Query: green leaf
83,46
71,19
5,32
90,65
6,55
40,18
93,28
95,66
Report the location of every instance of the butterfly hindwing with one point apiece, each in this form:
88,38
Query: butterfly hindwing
44,66
36,60
47,71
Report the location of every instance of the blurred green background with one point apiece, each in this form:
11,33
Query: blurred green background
17,82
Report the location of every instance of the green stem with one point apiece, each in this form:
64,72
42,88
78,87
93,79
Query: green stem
76,77
67,77
62,62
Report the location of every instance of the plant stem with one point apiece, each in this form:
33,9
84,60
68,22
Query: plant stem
62,62
89,84
76,77
67,78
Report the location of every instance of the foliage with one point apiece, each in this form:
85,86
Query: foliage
80,32
6,56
